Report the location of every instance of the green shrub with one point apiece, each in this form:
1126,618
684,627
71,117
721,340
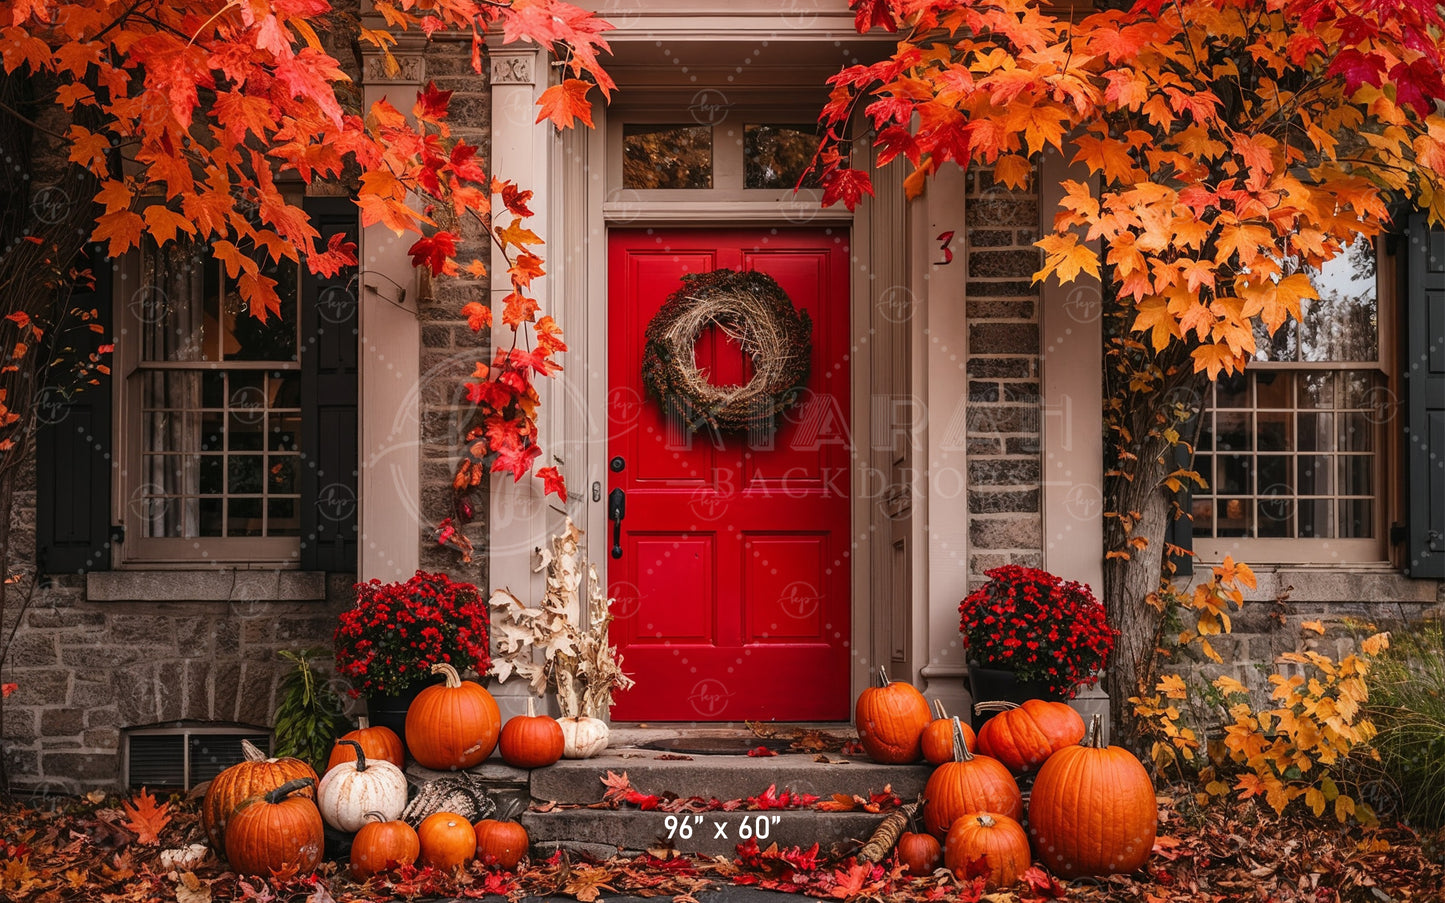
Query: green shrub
1407,704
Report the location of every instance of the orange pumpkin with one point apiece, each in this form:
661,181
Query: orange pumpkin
244,780
447,840
276,831
376,742
919,853
988,844
383,845
532,740
968,784
501,843
452,725
890,719
1092,810
938,737
1024,736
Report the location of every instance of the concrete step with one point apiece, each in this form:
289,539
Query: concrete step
579,781
603,832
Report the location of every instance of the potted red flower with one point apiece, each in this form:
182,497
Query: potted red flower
387,643
1048,633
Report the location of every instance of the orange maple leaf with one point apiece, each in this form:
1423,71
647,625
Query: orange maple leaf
147,820
566,103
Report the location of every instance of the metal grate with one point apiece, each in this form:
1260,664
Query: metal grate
183,754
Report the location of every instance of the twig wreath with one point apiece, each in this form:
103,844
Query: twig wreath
754,311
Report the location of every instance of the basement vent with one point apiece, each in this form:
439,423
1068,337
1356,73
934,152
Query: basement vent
181,754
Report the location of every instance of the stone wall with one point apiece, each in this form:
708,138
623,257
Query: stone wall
1004,410
86,669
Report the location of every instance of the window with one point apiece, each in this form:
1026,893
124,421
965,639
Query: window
1292,449
212,412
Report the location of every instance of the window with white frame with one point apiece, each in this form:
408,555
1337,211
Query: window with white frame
1292,449
211,413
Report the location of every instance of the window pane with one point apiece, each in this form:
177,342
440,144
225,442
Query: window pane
1276,517
1356,518
666,156
775,156
1273,389
281,518
1343,323
1316,475
281,474
1317,432
213,475
166,306
243,474
1356,474
1234,433
1236,517
1317,390
244,337
1274,475
1356,432
1235,474
1232,391
1316,518
243,517
1275,430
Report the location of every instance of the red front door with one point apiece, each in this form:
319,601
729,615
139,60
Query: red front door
732,587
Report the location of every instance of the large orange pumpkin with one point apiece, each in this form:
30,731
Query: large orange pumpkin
938,737
500,843
447,840
383,845
275,831
891,718
1092,810
1024,736
988,844
244,780
452,725
531,740
968,784
376,742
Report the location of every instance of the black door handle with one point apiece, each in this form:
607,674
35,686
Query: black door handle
616,511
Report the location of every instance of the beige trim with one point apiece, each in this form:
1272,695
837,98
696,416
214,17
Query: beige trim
1071,361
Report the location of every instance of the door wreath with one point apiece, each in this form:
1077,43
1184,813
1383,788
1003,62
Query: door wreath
754,311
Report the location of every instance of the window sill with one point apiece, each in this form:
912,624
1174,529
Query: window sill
214,585
1358,583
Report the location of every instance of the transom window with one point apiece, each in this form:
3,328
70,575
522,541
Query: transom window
1291,448
218,398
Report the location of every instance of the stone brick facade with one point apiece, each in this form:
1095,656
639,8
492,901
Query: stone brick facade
1005,522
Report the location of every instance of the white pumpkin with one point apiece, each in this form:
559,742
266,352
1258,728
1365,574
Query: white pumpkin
352,789
584,737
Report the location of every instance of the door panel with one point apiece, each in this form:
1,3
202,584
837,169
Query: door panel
734,580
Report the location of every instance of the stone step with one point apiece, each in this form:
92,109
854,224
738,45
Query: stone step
579,781
602,832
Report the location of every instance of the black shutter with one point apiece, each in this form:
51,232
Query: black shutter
329,425
1425,400
1180,531
73,445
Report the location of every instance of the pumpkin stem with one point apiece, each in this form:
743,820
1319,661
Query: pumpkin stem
373,815
252,752
994,705
362,722
280,793
938,707
985,820
360,756
531,707
960,748
883,677
1095,730
454,679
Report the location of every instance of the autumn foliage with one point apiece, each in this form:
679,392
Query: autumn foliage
194,116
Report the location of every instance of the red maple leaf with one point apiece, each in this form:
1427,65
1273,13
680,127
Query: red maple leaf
1046,886
871,14
516,199
7,689
146,819
759,752
552,482
431,104
846,185
1358,68
435,253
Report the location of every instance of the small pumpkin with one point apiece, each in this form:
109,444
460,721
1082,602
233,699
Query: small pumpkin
890,720
988,844
532,740
378,742
583,737
276,831
447,840
501,843
968,784
253,776
382,845
919,853
1024,736
452,725
937,739
352,789
1092,810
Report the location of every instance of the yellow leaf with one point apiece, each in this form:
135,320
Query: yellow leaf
1013,171
1172,686
1376,644
1229,686
1208,650
1316,626
1316,801
1066,258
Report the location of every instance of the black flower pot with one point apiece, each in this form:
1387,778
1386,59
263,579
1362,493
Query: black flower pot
1002,685
389,709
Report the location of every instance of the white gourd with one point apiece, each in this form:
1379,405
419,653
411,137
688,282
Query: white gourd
352,789
584,737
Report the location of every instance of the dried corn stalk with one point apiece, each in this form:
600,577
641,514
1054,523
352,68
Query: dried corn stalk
550,645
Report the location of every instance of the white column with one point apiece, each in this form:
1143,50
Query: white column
390,362
518,520
943,347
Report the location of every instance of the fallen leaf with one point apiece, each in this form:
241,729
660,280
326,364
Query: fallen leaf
147,820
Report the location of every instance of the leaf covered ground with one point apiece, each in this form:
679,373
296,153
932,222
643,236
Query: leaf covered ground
107,850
